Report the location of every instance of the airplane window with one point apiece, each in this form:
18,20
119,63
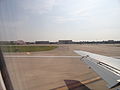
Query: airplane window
59,44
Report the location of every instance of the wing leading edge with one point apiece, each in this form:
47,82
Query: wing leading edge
107,67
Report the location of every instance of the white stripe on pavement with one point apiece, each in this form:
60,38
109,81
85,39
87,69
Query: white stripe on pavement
25,56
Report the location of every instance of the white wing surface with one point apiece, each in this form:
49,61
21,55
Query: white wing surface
107,67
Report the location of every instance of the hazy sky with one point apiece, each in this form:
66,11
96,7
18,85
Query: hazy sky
52,20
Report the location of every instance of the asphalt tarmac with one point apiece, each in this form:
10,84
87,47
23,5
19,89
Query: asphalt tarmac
57,73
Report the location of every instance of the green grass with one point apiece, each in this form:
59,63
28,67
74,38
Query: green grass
26,48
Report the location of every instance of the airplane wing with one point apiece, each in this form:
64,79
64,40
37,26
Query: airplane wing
107,68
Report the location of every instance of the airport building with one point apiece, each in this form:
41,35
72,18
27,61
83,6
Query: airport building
41,42
65,42
20,42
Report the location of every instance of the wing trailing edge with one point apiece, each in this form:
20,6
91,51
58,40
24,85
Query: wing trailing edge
107,68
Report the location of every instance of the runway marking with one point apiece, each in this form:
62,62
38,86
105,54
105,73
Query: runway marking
25,56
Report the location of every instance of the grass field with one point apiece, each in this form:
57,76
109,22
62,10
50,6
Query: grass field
26,48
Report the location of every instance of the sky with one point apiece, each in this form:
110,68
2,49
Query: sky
54,20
